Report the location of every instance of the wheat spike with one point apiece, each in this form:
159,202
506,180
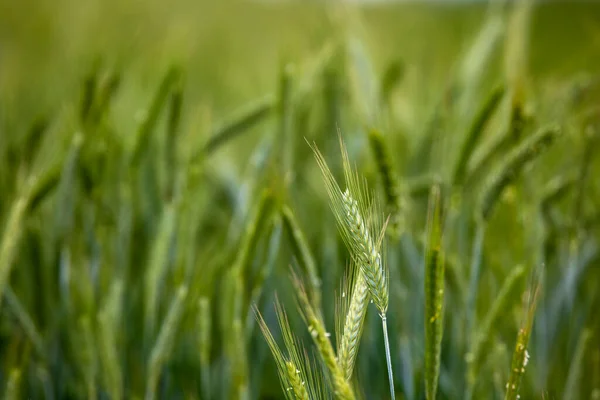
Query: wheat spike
352,328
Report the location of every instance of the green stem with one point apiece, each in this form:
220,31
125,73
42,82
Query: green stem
388,358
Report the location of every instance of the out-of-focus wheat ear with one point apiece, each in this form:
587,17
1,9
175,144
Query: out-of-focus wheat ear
164,343
303,254
142,139
483,337
171,140
104,94
577,365
13,385
434,293
204,341
351,316
516,161
475,132
520,355
390,181
390,79
241,120
320,336
88,92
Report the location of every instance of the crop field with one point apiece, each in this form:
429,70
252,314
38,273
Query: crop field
299,200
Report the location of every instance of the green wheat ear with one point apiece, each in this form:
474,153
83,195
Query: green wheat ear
360,219
350,317
434,293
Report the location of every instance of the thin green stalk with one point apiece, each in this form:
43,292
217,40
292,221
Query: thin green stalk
483,336
165,341
388,357
303,254
204,341
434,294
11,238
158,265
576,367
475,271
108,329
25,320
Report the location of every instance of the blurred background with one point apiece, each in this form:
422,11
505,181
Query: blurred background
138,140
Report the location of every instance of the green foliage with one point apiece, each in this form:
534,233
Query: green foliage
153,203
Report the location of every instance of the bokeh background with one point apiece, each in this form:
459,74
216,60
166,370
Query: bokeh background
115,269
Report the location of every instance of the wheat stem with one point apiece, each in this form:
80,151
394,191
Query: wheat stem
388,357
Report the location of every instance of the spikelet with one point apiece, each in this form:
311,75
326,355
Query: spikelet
356,290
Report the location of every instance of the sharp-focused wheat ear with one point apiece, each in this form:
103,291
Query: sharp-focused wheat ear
360,221
351,317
